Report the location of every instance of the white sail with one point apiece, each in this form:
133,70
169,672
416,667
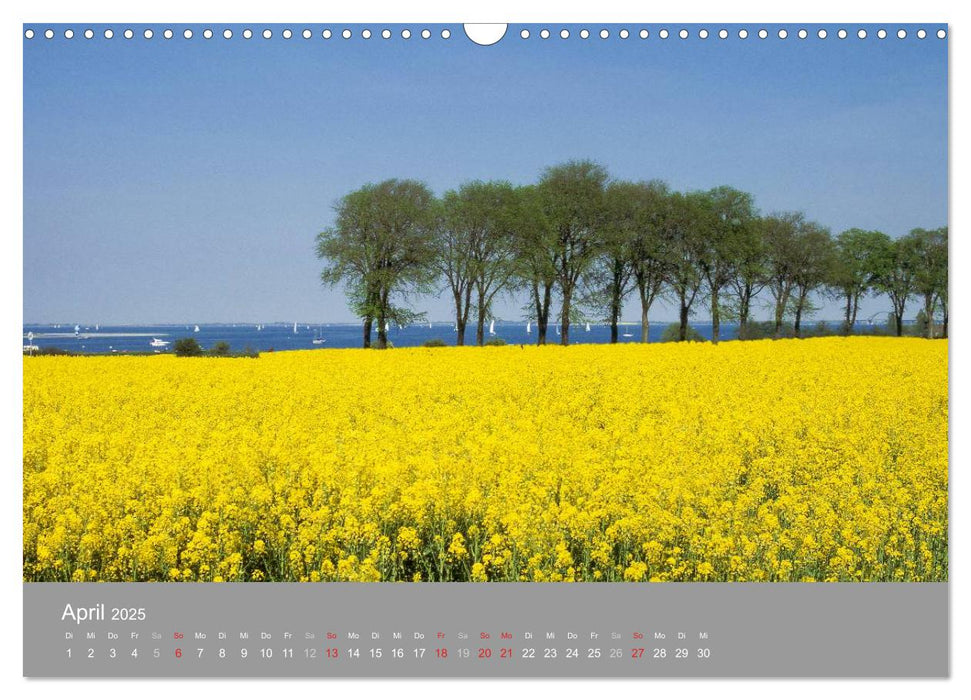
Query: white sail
588,328
387,326
429,324
492,327
529,327
295,327
196,329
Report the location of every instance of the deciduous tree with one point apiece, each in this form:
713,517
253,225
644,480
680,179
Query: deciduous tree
534,257
729,215
650,244
687,222
896,278
572,199
929,249
781,244
381,247
859,255
812,267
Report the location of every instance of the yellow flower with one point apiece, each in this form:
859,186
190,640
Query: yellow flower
635,572
479,572
821,459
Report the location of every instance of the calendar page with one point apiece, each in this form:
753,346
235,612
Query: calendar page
541,350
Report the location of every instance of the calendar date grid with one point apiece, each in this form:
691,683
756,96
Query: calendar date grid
348,647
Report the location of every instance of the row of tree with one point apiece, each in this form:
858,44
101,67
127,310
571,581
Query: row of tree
578,238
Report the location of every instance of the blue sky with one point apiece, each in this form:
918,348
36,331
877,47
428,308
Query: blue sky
185,181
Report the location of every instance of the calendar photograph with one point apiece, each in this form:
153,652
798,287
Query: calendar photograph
630,304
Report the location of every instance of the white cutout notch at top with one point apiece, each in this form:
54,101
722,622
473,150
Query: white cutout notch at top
485,34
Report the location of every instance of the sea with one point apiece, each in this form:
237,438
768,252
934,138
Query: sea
270,337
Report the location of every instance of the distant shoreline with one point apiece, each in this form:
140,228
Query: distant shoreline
226,324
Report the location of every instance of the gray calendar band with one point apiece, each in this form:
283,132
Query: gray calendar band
749,630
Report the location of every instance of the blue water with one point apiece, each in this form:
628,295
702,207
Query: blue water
280,336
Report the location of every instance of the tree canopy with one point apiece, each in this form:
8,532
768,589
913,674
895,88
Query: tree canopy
587,242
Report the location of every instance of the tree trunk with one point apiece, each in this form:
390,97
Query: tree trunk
797,323
944,324
459,321
615,301
744,301
645,308
899,319
382,334
383,321
780,310
645,322
460,332
683,320
856,308
614,318
367,331
929,313
371,300
538,306
461,314
715,316
480,324
542,312
565,320
847,319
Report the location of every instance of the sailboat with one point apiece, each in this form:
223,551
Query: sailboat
492,327
196,329
588,328
295,328
429,324
387,326
529,327
319,338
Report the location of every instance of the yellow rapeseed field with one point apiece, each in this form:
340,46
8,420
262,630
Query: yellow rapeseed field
786,460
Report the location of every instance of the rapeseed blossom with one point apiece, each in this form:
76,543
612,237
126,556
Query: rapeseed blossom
814,460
